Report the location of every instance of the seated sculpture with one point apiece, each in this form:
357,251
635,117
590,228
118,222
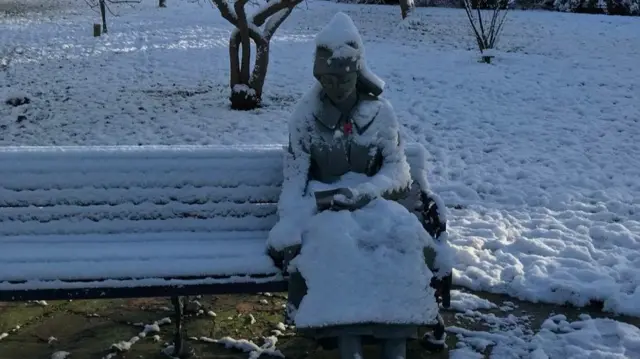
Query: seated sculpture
346,165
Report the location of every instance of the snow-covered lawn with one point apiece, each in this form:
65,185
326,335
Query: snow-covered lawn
537,155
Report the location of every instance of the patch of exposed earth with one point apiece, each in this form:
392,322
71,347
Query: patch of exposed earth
90,329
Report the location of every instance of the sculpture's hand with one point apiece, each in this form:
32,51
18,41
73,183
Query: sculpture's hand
345,199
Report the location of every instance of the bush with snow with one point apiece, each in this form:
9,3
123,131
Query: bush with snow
611,7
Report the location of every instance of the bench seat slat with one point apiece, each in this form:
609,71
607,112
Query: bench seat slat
113,196
173,285
250,263
100,249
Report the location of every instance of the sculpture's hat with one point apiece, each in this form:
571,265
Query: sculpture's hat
340,50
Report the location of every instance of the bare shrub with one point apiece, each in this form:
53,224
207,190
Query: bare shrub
488,27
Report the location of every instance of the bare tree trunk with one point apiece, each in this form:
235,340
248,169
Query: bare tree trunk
103,14
246,85
234,58
259,74
162,3
406,7
243,26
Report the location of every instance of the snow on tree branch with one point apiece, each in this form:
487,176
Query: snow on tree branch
275,21
236,15
226,11
271,8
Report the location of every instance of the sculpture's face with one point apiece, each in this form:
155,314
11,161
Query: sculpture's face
338,87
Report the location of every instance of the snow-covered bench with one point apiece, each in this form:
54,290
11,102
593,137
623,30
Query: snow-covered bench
119,222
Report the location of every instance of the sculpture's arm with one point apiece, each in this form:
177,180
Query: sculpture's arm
296,177
285,237
394,175
295,206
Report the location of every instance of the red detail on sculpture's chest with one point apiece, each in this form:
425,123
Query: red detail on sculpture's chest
347,128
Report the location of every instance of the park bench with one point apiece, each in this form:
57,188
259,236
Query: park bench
140,221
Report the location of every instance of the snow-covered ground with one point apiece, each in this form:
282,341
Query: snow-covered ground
510,333
537,155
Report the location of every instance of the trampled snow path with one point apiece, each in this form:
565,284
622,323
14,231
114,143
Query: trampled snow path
537,154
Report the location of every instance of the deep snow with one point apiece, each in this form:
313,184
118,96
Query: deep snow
536,155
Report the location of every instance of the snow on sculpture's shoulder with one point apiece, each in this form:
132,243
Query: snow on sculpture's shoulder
302,115
305,108
367,110
386,115
378,116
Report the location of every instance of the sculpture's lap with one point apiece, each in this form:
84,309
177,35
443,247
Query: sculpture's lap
374,280
297,290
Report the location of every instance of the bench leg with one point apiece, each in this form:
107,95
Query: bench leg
435,341
180,348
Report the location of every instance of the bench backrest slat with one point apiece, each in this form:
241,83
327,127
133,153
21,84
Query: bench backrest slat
76,190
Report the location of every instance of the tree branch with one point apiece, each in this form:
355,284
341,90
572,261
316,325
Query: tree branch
275,21
226,12
93,6
481,23
259,73
469,11
271,7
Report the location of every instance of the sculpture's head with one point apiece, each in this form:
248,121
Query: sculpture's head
337,71
339,63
